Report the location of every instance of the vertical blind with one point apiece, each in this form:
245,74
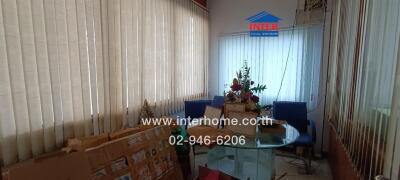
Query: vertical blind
84,67
289,65
364,54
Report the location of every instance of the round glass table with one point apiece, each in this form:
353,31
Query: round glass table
255,159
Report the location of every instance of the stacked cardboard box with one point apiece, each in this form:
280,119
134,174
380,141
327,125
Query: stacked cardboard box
137,153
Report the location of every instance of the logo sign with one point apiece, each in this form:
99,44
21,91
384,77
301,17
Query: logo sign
263,24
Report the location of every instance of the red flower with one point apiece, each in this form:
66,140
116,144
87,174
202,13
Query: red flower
248,94
236,87
255,98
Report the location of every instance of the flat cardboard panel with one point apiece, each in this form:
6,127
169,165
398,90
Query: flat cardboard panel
125,132
96,156
135,140
143,171
212,113
119,164
116,148
83,143
247,130
73,166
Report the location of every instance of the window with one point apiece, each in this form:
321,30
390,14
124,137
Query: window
289,65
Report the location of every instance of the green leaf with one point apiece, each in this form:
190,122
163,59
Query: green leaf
259,88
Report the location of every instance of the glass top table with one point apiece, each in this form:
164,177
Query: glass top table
269,140
255,159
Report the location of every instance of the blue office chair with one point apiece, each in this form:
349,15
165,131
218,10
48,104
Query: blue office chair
196,108
218,101
295,113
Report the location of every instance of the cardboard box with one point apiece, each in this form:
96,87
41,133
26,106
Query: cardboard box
82,143
59,165
116,148
125,132
119,164
100,159
96,156
247,130
143,171
138,156
136,140
233,107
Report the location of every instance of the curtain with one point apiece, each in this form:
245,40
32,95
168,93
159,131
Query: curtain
169,64
364,56
191,55
48,60
376,79
84,67
289,65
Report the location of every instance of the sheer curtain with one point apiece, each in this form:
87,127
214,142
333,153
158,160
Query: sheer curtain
84,67
289,65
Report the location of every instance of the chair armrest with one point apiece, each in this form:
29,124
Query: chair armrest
313,130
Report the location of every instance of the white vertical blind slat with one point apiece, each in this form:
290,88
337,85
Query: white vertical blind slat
75,74
99,65
44,75
18,87
124,58
31,76
84,66
8,125
106,63
64,69
90,25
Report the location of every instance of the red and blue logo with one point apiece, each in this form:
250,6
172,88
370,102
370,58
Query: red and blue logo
263,24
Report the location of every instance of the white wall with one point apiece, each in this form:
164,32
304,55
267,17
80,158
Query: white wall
228,16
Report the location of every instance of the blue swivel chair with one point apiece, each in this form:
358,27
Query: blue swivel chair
295,113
